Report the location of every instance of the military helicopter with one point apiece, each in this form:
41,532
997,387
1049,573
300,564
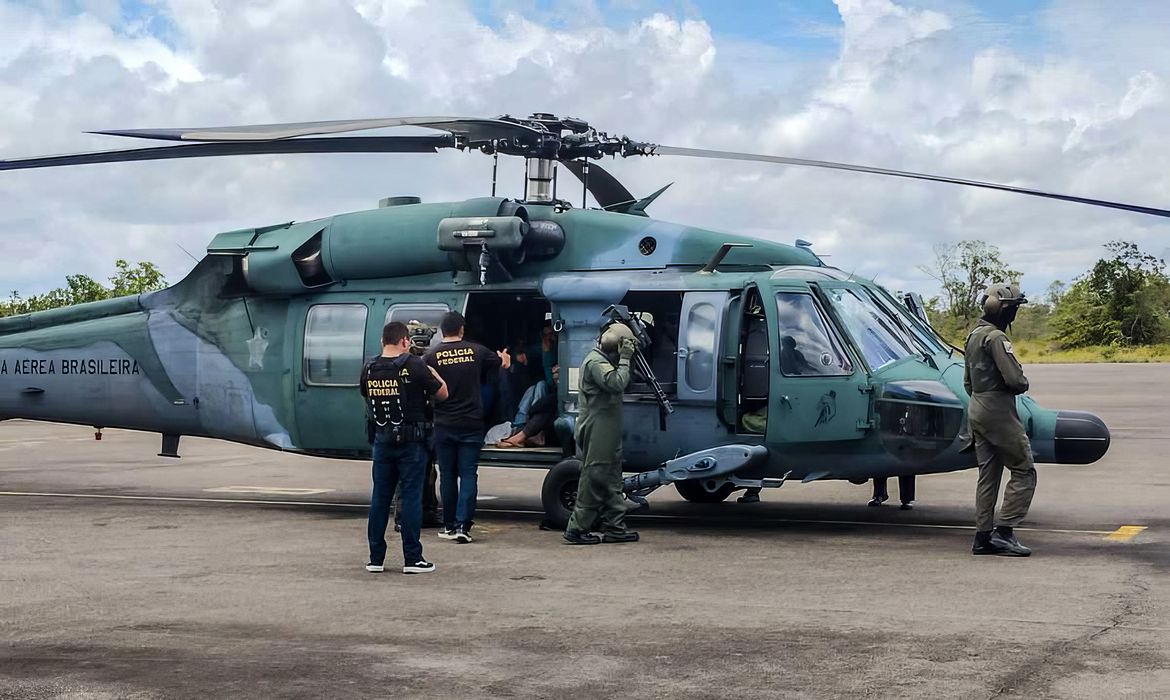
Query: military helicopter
759,363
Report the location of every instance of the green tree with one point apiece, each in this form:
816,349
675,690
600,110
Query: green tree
143,277
1123,300
963,270
79,289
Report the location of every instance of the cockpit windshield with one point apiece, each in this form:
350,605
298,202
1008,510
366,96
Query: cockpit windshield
879,338
925,336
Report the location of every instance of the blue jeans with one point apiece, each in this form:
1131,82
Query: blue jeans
457,452
394,466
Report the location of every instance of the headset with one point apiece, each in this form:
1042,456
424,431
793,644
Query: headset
998,296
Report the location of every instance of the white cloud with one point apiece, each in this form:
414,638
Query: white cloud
913,86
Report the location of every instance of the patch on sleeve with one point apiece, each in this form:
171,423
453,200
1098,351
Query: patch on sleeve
1007,346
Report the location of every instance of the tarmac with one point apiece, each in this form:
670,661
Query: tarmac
238,572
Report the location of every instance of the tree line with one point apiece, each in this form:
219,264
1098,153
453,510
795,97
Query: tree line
1123,300
128,279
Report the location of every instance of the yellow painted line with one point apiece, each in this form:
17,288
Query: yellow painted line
273,490
1125,533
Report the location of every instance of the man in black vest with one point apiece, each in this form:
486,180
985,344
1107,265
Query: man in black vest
396,385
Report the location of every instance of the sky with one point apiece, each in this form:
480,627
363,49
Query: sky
1069,96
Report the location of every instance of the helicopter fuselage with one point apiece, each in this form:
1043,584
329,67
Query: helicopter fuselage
263,341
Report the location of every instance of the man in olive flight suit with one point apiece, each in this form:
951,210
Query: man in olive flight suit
993,377
605,373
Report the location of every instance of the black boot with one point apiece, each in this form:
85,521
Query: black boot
578,537
984,545
1004,538
617,536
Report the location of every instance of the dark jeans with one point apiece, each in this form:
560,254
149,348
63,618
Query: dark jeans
394,466
905,488
457,452
430,498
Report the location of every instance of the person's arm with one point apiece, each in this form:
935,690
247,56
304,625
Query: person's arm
548,358
967,377
548,355
434,384
614,379
1008,365
362,380
491,361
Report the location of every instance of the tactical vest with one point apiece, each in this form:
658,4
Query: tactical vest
387,382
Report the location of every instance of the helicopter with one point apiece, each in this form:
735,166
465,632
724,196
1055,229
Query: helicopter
758,362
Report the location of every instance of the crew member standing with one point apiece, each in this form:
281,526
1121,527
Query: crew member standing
459,422
993,377
605,373
396,385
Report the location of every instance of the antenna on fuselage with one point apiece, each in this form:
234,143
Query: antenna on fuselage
719,255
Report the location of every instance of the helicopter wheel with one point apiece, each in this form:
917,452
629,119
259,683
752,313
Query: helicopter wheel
559,493
695,491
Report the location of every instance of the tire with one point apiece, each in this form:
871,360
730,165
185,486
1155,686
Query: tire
558,495
694,492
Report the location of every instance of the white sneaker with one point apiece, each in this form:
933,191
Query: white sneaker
375,568
446,534
421,566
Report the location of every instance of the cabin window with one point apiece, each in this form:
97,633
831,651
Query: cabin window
430,314
806,346
702,324
334,339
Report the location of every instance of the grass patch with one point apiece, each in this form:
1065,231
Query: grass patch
1042,352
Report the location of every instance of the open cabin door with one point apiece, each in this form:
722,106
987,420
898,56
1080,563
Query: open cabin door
818,393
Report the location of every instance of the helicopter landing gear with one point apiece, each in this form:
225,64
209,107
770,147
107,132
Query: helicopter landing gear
715,465
559,493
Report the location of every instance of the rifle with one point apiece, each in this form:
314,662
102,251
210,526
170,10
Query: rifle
620,314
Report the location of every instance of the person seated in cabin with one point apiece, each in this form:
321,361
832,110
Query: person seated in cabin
792,361
514,382
537,429
753,422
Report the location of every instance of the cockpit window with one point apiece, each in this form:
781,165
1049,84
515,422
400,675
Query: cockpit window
806,346
924,336
878,337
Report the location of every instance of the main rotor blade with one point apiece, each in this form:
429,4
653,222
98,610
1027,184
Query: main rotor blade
604,187
756,157
345,144
473,128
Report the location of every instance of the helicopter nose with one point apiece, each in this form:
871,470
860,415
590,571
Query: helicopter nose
1081,438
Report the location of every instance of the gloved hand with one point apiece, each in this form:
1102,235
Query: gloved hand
626,349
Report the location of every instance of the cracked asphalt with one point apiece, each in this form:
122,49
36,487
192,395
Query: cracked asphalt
250,581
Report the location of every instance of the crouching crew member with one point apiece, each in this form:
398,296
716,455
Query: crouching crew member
605,373
396,385
993,377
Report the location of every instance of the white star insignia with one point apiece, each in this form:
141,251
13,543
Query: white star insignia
256,347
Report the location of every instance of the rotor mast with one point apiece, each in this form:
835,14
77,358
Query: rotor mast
538,183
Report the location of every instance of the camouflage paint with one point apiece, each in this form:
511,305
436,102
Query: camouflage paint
220,353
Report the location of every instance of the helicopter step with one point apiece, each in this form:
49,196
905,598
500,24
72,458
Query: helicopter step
559,492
